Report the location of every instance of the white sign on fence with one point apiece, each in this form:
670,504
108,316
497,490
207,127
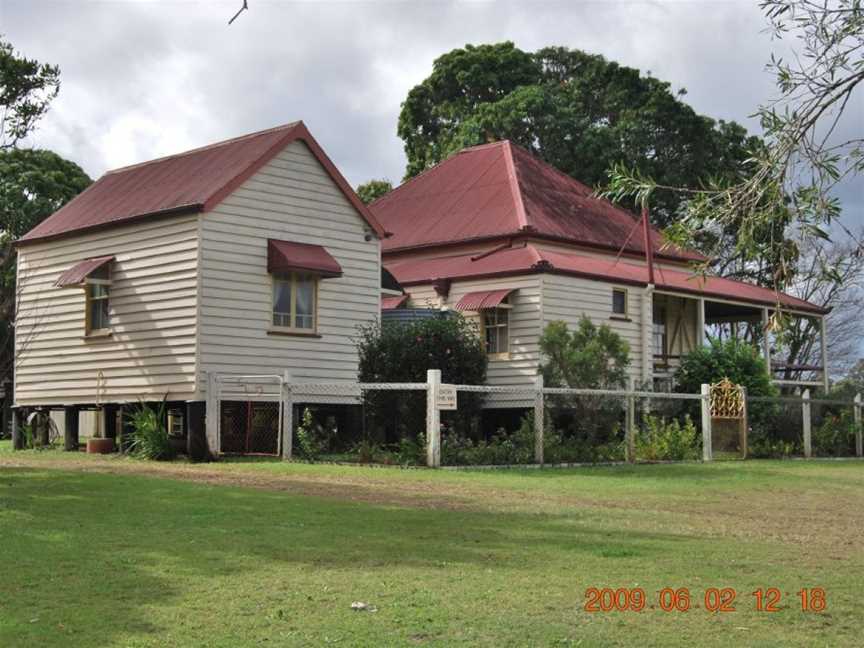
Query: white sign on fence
446,397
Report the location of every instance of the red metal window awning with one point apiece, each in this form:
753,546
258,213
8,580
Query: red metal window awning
287,256
392,302
475,301
76,275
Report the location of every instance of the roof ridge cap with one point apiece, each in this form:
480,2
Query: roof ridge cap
515,186
478,147
232,140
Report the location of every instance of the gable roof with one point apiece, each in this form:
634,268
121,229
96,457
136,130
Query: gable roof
527,259
499,190
194,181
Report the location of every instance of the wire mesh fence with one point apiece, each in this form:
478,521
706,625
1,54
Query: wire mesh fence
427,423
249,427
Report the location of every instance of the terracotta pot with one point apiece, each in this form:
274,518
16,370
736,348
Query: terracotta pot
100,446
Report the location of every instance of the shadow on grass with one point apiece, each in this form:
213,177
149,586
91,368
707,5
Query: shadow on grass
84,555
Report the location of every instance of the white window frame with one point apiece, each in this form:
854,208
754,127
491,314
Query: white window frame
294,277
89,282
501,308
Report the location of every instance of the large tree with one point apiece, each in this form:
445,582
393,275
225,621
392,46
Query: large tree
577,111
26,90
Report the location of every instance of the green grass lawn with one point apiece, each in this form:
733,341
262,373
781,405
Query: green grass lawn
107,551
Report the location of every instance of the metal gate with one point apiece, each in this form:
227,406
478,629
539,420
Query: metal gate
247,414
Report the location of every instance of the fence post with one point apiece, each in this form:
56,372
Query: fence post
806,423
707,453
211,416
744,423
539,421
287,430
433,419
630,431
859,433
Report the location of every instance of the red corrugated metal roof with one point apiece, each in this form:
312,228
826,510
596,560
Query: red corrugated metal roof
81,270
500,190
287,256
196,180
527,259
392,302
475,301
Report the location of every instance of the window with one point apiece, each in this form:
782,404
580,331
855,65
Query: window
175,423
659,330
294,301
619,302
496,325
97,289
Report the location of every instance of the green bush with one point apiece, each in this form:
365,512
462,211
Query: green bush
313,439
593,357
835,437
668,440
412,450
149,438
517,447
403,352
764,448
741,363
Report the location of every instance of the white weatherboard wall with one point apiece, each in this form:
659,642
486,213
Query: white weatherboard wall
151,351
291,198
568,298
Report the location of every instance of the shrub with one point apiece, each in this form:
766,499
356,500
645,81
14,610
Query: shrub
403,352
313,439
412,450
593,357
149,433
668,440
764,448
505,448
835,437
743,365
501,449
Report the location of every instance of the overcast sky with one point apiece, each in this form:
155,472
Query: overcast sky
143,79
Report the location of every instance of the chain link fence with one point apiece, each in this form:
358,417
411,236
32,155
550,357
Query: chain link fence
434,424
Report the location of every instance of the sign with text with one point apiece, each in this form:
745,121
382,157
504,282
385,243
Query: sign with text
447,397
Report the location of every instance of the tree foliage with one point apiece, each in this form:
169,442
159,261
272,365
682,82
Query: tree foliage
788,182
402,352
577,111
373,189
593,357
590,356
27,88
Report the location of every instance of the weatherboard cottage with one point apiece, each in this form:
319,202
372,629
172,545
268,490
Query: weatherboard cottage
513,243
248,256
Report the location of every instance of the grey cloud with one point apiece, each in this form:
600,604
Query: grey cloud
148,79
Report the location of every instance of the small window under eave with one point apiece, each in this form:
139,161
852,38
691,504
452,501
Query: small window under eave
288,256
78,274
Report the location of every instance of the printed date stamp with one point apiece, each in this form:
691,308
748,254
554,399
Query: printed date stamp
712,599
